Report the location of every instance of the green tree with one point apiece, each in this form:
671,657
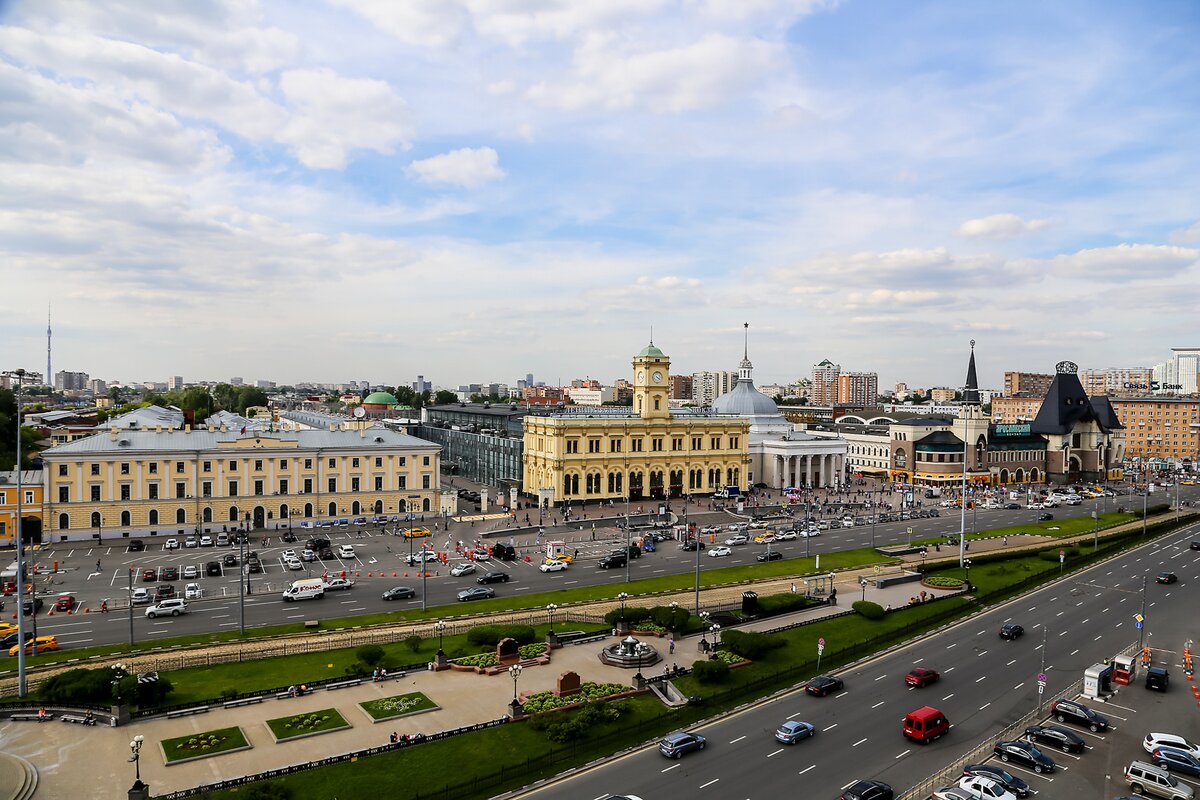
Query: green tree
250,396
225,397
444,397
8,433
114,393
407,396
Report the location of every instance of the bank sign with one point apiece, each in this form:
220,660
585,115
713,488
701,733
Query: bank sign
1153,386
1012,430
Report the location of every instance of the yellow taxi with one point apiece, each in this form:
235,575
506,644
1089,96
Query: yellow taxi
415,533
763,538
1188,482
41,644
7,628
566,558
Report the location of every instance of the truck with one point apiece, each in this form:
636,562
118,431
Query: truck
305,589
933,492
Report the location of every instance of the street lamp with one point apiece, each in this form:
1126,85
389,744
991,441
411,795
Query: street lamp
967,572
550,614
20,552
135,747
704,626
515,672
623,596
716,632
441,627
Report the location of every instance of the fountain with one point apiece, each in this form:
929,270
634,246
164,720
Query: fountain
629,653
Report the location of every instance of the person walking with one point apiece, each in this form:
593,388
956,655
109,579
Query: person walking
97,565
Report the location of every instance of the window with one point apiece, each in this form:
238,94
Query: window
614,445
126,491
697,442
125,519
258,465
233,488
403,461
333,484
354,485
64,494
657,402
283,463
95,469
180,490
64,522
593,445
153,519
206,488
233,466
635,445
95,519
714,443
153,491
402,482
677,443
308,463
734,442
179,466
283,486
62,470
656,444
333,463
425,461
378,463
354,463
308,488
426,482
95,494
379,483
125,469
180,516
153,467
572,446
207,466
258,487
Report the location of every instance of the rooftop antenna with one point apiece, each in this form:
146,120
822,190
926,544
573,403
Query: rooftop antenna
49,375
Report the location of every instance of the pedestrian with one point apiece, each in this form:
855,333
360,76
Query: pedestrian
97,565
394,738
42,714
103,606
671,646
793,587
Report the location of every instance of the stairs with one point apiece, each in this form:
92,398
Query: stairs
18,778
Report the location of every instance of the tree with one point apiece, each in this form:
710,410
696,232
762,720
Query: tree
225,396
444,397
114,393
250,396
407,396
8,433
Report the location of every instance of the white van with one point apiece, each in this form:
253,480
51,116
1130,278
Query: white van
306,589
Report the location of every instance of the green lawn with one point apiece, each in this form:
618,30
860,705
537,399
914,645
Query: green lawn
326,719
208,743
1058,528
399,705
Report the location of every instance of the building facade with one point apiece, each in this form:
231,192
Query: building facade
172,482
681,387
1164,428
65,381
1116,381
31,495
858,388
648,451
1013,410
1027,383
708,386
480,441
824,388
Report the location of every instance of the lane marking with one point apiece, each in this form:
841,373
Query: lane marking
777,752
806,769
881,677
1019,685
985,705
902,755
947,697
735,741
823,730
843,694
673,766
860,741
1009,664
877,705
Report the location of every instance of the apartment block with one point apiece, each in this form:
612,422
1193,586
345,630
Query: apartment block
1160,427
1034,384
1013,410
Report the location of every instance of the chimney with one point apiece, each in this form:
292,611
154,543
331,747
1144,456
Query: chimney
187,428
223,428
113,433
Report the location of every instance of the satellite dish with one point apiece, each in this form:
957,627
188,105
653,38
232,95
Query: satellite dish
360,412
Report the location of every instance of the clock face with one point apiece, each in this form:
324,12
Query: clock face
658,377
641,377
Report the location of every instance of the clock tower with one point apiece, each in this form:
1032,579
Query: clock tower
650,370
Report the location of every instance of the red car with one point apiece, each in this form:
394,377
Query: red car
920,676
65,602
149,575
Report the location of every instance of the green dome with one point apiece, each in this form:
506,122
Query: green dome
380,399
650,351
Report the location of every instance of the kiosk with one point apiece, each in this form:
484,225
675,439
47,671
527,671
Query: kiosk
1124,669
1096,681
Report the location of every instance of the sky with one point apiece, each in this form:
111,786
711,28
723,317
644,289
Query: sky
472,190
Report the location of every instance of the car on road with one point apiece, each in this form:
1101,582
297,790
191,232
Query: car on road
192,592
494,576
759,524
1012,506
566,558
1194,546
1166,577
1053,735
206,541
675,745
711,529
1154,741
1011,630
476,593
823,685
920,676
718,552
868,790
793,731
42,644
191,571
741,538
786,536
985,788
613,560
480,555
1070,711
65,602
400,593
135,546
1045,516
170,607
553,565
738,526
1011,782
337,584
763,538
415,533
170,574
1024,753
230,560
692,545
1176,761
465,568
140,596
10,639
171,544
346,551
769,555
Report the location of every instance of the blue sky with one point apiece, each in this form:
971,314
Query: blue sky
469,190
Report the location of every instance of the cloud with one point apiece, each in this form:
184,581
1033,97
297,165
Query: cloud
1124,262
1188,235
1000,226
468,167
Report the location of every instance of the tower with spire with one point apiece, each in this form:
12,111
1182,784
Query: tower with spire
49,374
971,422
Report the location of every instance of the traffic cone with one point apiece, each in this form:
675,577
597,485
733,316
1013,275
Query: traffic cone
369,575
406,574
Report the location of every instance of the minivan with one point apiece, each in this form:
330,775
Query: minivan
306,589
925,724
504,552
1149,779
1157,678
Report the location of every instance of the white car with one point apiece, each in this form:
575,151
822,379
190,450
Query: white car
739,526
462,569
717,552
191,541
758,524
811,532
171,544
954,793
193,592
294,564
1074,501
346,551
711,529
191,571
288,555
308,555
480,555
140,596
785,536
1153,741
986,788
173,607
206,541
551,565
741,538
847,522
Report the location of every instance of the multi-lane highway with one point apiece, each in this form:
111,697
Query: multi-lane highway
986,684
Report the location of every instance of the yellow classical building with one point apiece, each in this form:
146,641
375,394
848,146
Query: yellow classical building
171,482
649,451
31,507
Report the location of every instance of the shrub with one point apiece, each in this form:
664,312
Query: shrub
582,722
747,644
944,582
711,671
79,686
1052,554
771,604
671,619
413,642
268,790
532,650
492,634
369,654
868,609
478,660
633,614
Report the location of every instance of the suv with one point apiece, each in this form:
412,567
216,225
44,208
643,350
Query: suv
174,607
676,744
1149,779
613,560
1070,711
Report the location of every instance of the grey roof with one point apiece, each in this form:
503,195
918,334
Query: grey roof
148,417
939,440
971,390
29,477
745,401
494,409
140,441
922,421
314,419
236,421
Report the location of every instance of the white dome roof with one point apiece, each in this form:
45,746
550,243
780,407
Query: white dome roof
745,401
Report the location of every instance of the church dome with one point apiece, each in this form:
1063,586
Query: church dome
380,399
650,351
745,401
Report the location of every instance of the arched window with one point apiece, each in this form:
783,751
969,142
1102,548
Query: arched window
180,516
233,514
333,509
356,508
426,505
125,519
64,522
208,515
95,519
153,516
308,508
283,511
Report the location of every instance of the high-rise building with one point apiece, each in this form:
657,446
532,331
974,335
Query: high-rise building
1187,369
708,386
1117,381
1027,384
236,381
65,381
1160,427
857,388
824,391
264,384
421,385
680,387
176,382
97,387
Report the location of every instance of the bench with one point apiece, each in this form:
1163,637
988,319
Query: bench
78,719
183,712
27,717
244,701
343,684
312,623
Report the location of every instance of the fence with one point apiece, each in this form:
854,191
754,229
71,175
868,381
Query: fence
983,751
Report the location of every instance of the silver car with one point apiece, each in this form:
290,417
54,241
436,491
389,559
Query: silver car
466,568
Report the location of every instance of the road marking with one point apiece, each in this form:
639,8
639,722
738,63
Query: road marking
1033,609
848,785
980,678
860,741
902,755
982,653
1059,614
777,752
823,730
710,783
1073,652
735,741
877,705
1019,685
1009,664
947,697
1119,624
1086,621
843,694
951,645
806,769
881,677
673,766
985,705
919,660
1096,639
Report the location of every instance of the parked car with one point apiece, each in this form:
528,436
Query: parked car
1071,711
985,788
65,602
230,560
171,544
31,606
675,745
169,574
191,541
191,571
954,793
192,592
42,644
400,593
308,555
1063,739
316,543
140,596
823,685
287,536
135,546
1024,753
1154,741
493,577
1176,761
769,555
1148,779
419,557
206,541
1166,577
1010,781
792,731
465,568
476,593
868,790
920,676
294,564
1011,631
253,567
346,551
553,565
164,591
718,552
170,606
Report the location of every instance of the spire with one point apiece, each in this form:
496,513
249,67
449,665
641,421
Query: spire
49,375
746,341
971,390
745,368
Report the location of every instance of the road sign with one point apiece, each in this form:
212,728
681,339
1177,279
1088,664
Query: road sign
1062,556
821,642
1139,618
910,531
1041,677
820,649
1137,625
876,569
1041,688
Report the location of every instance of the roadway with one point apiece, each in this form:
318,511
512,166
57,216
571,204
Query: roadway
986,684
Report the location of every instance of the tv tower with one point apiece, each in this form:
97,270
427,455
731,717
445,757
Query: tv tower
49,374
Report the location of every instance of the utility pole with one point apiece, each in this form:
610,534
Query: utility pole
130,595
21,548
1142,629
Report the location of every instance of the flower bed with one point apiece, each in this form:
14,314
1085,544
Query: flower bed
322,721
588,692
732,659
942,582
480,660
400,705
532,650
201,745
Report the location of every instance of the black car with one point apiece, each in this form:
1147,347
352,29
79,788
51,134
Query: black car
136,546
504,552
230,560
326,553
1011,631
823,685
212,568
769,555
316,544
493,577
613,560
1166,577
1024,753
400,593
241,537
11,639
1055,736
288,536
29,607
634,551
692,545
1045,516
1012,506
1194,545
675,745
253,567
251,557
868,790
1006,779
1070,711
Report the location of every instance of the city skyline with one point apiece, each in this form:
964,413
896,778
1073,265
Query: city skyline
380,191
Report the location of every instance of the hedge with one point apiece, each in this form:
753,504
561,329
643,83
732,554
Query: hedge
771,604
492,634
750,645
711,671
868,609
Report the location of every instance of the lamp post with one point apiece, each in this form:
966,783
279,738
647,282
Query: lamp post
135,747
703,627
441,627
515,672
962,500
1145,497
716,632
623,596
550,616
20,551
862,581
967,572
130,595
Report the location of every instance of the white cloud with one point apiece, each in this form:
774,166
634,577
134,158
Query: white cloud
1124,262
1188,235
468,167
425,23
1000,226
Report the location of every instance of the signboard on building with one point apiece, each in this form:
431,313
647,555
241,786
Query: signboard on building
1011,430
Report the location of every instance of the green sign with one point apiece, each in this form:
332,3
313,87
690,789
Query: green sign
1012,430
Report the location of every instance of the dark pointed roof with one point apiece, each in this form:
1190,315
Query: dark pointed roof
971,393
1106,413
1066,404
